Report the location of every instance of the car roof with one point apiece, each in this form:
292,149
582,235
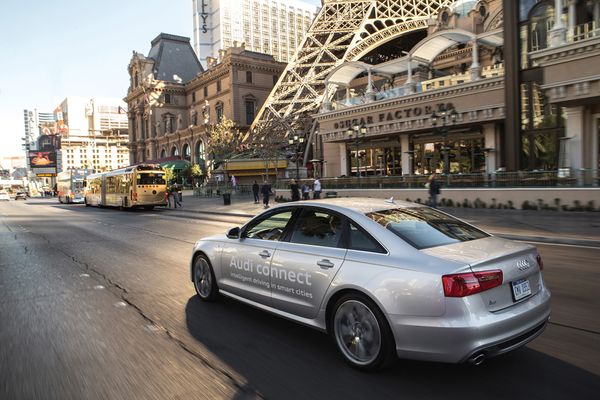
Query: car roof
363,205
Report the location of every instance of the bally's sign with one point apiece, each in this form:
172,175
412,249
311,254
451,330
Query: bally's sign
396,115
204,16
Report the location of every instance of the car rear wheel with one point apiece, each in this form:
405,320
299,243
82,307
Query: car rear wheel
204,279
361,333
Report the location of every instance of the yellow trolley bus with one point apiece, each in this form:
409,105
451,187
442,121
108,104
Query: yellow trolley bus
137,186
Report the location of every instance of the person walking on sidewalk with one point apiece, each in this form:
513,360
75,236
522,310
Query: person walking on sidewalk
317,189
266,192
175,195
305,191
255,190
168,194
434,189
295,190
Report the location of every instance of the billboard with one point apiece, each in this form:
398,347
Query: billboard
42,162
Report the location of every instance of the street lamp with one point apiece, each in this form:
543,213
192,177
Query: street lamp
446,117
357,133
296,142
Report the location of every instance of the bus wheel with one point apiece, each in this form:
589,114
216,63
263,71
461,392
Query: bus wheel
149,208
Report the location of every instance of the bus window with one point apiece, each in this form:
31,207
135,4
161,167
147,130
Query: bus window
150,178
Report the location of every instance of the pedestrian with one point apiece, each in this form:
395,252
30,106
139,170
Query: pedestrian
168,194
180,195
266,192
255,190
434,189
175,195
233,182
295,190
317,189
305,191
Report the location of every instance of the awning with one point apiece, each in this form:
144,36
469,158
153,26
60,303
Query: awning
174,164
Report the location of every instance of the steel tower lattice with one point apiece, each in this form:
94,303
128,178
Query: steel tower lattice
344,30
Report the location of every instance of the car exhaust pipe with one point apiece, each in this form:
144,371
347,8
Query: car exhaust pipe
477,359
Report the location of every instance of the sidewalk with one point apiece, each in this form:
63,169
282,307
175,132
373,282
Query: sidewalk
575,228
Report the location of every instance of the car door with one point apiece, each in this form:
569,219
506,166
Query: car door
307,261
246,261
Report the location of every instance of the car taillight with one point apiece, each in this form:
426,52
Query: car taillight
461,285
540,262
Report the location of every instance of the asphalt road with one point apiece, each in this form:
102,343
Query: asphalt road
97,303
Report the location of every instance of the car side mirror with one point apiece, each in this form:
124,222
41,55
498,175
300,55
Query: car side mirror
234,233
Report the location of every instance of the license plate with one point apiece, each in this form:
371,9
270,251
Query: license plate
521,289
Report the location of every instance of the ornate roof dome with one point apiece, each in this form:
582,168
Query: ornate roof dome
462,7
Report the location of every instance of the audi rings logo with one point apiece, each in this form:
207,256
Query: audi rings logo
523,265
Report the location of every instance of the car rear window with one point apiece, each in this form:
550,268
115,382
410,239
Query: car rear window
425,227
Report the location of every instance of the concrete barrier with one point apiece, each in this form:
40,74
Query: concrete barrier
536,197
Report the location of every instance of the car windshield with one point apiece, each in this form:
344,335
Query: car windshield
425,227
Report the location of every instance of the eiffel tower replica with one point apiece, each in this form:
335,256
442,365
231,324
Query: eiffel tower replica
343,31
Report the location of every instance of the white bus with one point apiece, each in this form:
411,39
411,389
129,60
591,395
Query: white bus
137,186
70,186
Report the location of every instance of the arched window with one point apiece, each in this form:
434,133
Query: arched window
187,153
163,153
541,20
199,155
174,151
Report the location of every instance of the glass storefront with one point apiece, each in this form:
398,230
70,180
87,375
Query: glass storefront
465,155
541,128
375,161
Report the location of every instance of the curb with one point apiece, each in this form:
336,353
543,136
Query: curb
550,240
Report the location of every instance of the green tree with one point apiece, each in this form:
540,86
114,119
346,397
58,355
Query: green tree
169,175
223,141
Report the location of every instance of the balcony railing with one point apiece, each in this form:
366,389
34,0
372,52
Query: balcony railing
521,179
584,31
444,82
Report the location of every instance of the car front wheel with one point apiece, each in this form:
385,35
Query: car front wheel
361,333
204,279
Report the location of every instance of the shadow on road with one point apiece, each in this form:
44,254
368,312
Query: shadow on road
281,359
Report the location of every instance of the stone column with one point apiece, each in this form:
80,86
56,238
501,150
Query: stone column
406,157
558,33
489,134
343,154
571,17
475,67
334,154
348,100
574,131
409,86
369,93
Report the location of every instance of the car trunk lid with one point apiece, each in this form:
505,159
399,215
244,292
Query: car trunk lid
517,261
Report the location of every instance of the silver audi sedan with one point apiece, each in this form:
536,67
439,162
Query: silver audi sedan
384,278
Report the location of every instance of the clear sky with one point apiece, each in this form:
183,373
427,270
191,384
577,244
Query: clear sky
53,49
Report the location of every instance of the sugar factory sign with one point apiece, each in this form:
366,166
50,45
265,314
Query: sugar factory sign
204,16
396,115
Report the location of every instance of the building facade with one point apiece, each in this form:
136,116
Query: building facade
274,27
456,93
170,118
93,134
35,123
